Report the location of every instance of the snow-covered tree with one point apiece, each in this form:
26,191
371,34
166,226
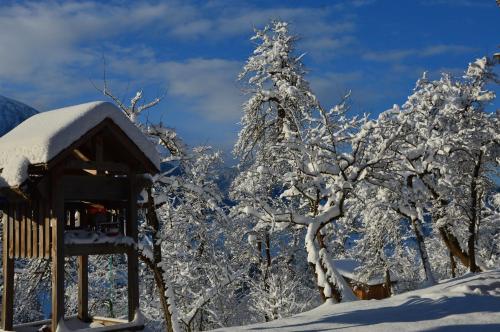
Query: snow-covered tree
280,97
184,230
439,165
448,146
305,163
280,101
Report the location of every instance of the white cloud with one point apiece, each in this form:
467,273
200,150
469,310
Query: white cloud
49,51
207,86
47,46
209,83
43,37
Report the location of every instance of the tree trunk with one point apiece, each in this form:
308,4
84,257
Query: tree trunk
162,291
450,241
453,266
453,246
155,265
471,243
267,268
417,228
388,282
321,289
335,291
323,266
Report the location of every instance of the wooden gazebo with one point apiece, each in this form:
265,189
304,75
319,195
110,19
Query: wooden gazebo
375,288
69,183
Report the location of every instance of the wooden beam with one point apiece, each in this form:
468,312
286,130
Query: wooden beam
8,275
80,155
95,188
43,187
99,149
132,257
111,167
83,288
95,249
39,169
57,223
48,235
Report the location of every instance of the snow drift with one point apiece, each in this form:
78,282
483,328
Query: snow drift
469,303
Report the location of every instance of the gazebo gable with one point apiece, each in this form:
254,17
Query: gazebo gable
104,146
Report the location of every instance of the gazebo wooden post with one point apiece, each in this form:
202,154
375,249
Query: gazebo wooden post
57,224
8,276
83,288
132,257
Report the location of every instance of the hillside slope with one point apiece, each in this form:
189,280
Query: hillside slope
469,303
12,113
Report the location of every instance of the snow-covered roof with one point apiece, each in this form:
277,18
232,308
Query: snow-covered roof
43,136
349,268
346,267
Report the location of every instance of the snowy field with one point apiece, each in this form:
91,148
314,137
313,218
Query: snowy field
469,303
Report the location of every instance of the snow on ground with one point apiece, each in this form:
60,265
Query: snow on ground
469,303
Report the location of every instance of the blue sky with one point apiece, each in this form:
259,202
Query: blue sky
51,51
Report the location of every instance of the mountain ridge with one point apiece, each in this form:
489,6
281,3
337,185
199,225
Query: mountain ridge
12,113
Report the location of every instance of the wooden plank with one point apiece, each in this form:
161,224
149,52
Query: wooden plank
17,231
95,188
132,257
12,238
33,325
22,236
116,324
34,227
41,228
83,288
47,231
8,276
29,241
109,325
